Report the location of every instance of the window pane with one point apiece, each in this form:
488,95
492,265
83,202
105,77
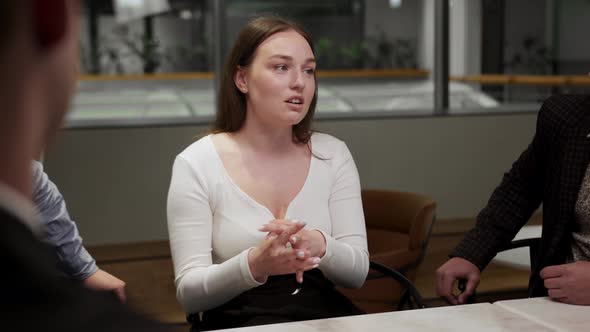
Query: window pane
373,56
173,48
516,53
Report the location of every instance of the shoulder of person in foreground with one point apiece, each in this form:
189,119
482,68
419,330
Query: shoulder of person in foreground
36,297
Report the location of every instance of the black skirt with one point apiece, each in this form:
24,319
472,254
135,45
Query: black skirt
273,303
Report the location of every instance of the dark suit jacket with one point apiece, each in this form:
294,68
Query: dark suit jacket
549,171
35,297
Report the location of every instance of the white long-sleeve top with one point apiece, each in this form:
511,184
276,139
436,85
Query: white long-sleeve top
212,223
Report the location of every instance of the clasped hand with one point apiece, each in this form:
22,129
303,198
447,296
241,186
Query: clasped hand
288,248
568,283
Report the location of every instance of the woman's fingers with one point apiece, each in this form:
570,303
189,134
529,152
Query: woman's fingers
272,228
301,266
268,242
311,263
278,226
300,254
289,231
280,258
299,276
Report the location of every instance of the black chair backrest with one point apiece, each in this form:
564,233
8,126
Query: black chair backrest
411,298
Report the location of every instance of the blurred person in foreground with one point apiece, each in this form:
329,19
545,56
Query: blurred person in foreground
38,57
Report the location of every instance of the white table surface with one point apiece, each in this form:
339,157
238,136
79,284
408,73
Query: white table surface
480,317
555,315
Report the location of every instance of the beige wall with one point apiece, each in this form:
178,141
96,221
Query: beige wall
115,181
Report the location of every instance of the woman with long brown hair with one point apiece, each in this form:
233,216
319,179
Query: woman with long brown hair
264,198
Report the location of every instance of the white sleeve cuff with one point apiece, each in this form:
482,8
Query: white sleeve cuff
329,244
245,269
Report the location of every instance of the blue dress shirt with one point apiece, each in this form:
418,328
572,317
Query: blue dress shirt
60,230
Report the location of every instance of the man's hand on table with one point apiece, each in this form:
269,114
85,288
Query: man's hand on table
568,283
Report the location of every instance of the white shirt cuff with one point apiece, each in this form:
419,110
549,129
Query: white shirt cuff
329,245
245,269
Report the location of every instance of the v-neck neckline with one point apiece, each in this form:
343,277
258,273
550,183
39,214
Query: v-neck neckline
249,198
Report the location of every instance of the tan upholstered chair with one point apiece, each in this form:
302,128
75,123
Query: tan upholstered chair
398,230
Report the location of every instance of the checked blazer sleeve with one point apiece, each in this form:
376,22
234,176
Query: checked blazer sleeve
519,194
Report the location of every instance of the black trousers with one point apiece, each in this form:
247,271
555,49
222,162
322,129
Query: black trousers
273,303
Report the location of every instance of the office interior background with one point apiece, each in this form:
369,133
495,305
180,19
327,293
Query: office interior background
431,99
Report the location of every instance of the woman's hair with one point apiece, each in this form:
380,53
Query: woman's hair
231,109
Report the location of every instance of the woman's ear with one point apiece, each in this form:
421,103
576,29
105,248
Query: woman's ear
240,80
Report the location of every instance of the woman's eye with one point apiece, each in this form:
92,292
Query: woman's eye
309,71
281,68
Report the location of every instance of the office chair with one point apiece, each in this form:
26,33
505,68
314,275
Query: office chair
398,229
411,296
